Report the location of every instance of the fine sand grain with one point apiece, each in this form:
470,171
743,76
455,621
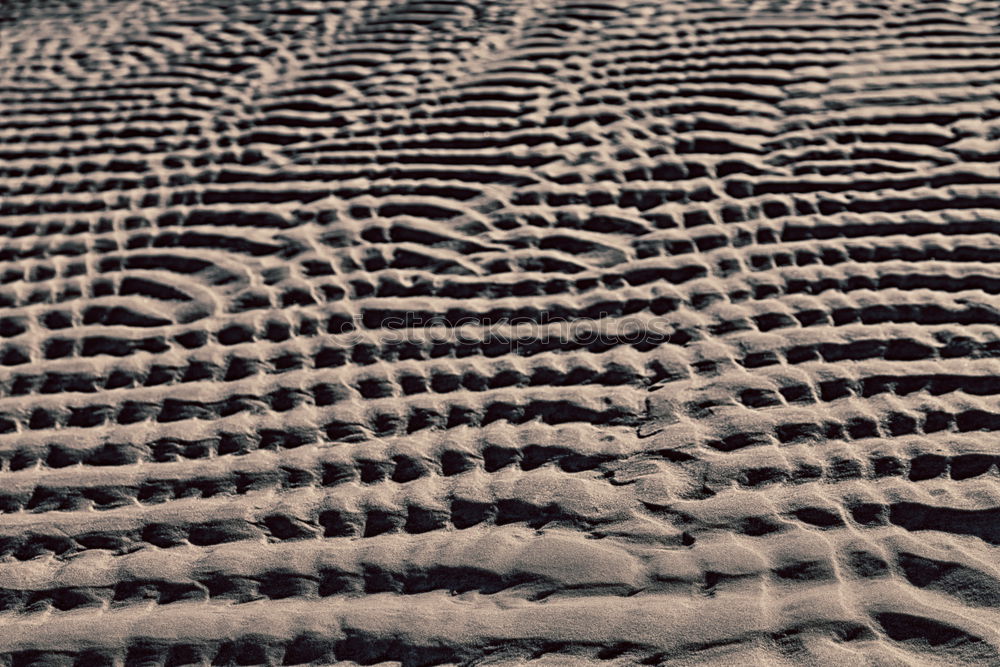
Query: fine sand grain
499,332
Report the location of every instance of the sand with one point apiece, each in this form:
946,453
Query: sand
499,332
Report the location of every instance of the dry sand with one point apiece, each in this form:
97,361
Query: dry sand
287,374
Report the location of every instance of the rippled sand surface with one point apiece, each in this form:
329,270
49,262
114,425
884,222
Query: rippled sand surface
490,332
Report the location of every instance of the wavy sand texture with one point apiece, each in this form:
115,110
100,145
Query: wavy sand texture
253,405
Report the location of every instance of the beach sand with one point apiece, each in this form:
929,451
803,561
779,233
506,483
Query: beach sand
499,332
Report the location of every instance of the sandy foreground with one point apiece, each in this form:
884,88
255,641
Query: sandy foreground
499,332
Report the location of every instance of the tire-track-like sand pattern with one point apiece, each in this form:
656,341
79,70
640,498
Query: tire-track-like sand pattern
297,314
